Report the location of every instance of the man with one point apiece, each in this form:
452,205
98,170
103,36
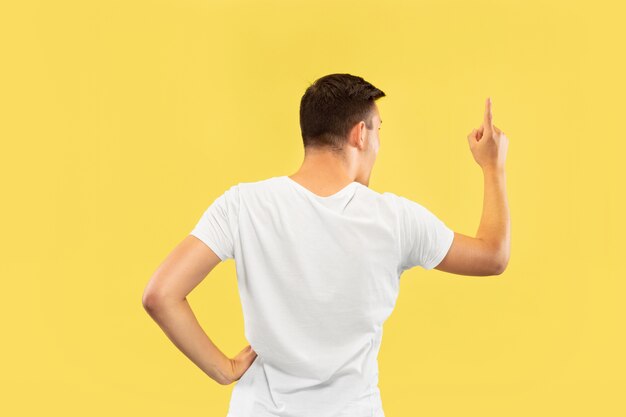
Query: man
318,258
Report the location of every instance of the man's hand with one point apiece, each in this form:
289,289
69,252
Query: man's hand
488,143
240,363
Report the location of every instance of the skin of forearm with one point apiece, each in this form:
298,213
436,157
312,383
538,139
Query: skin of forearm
495,223
181,326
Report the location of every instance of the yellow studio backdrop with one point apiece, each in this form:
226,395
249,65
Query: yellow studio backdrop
121,121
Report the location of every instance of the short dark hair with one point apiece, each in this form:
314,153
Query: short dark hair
332,105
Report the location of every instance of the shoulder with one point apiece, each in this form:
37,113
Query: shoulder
254,192
265,186
403,204
394,200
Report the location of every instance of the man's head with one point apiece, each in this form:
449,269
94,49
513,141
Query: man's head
338,114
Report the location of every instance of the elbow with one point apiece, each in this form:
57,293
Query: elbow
498,258
148,301
501,256
501,265
151,301
498,270
156,300
154,296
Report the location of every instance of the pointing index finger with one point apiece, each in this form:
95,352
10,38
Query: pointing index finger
488,114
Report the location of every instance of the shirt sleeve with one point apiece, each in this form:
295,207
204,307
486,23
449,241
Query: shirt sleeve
218,224
424,238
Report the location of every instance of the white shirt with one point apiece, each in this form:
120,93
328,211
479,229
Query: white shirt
317,278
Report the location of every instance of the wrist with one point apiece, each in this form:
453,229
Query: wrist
222,371
228,371
493,170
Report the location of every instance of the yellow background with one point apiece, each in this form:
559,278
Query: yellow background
121,121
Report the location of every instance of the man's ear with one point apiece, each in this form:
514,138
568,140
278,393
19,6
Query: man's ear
355,137
362,134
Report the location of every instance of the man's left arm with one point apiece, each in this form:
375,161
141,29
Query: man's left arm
165,301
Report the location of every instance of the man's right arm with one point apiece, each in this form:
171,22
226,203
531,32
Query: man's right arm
488,253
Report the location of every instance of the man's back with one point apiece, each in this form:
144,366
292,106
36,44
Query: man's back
317,277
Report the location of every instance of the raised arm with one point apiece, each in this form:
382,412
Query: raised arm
488,253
